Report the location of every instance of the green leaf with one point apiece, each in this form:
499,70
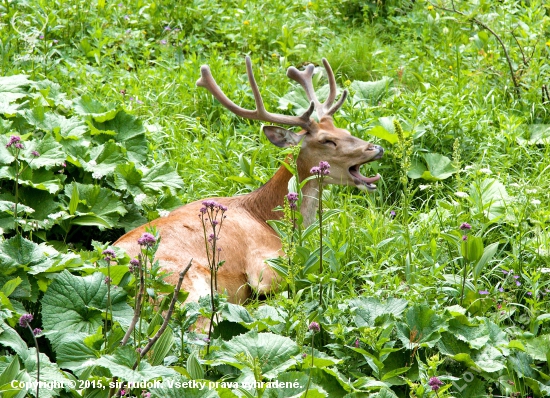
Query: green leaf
538,347
162,347
42,179
128,178
10,286
78,304
73,354
472,248
439,167
370,308
371,92
194,367
162,176
97,205
51,153
273,353
422,327
104,159
87,106
487,256
490,197
539,135
121,362
19,252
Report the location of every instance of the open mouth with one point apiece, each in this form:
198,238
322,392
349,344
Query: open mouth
362,182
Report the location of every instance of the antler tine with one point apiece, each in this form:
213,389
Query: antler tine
207,81
305,79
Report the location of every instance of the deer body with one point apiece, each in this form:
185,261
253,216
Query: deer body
246,238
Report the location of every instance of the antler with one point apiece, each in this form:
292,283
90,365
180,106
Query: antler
208,82
305,80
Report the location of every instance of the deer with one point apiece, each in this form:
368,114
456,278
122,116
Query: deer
247,240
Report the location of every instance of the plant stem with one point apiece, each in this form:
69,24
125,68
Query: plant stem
37,361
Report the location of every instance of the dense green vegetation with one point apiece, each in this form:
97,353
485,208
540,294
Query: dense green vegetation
439,279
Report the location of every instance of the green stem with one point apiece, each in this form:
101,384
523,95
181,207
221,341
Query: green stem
37,361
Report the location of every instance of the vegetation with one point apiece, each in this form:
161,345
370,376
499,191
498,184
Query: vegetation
435,286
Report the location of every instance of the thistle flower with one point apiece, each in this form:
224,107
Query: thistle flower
292,198
25,320
465,226
14,140
109,253
435,383
35,154
37,332
314,327
147,239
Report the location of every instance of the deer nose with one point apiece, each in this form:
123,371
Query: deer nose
380,149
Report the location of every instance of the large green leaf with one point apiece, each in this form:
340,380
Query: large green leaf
87,106
20,252
162,176
78,304
121,362
490,197
422,327
272,352
45,180
437,167
104,159
538,347
73,354
370,308
50,153
371,92
97,205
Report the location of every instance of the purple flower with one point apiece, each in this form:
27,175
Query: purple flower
25,319
357,343
35,154
167,28
109,253
147,240
465,226
464,237
55,41
14,140
500,289
292,198
37,332
314,326
108,280
435,383
518,283
41,37
392,214
483,292
505,272
516,276
146,394
321,170
163,42
206,340
529,293
126,17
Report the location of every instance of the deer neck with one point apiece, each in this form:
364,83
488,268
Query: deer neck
262,201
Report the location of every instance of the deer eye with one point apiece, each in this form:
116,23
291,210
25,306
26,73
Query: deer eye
328,142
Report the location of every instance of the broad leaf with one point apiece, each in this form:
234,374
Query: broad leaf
371,92
370,308
121,362
87,106
422,327
438,167
79,304
160,177
272,352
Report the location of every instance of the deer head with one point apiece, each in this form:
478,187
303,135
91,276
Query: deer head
320,140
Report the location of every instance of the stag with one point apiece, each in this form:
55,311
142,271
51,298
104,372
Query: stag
247,239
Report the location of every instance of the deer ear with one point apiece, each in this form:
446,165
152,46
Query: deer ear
281,137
